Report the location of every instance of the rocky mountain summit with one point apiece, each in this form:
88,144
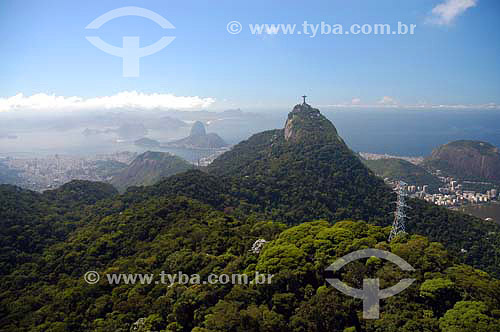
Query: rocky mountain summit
198,129
306,122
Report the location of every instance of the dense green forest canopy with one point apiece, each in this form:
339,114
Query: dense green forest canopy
30,221
180,234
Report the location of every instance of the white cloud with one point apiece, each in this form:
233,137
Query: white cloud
386,100
423,106
446,12
121,100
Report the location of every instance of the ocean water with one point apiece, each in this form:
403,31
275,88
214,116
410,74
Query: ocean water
41,143
413,132
397,132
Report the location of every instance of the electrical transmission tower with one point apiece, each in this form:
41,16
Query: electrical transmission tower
398,225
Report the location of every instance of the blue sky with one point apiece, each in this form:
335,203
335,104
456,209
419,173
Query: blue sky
44,50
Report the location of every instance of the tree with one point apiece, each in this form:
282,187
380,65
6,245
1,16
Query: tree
470,316
439,293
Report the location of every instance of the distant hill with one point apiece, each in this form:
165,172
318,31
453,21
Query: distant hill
165,123
147,142
399,169
149,168
132,131
108,168
468,160
199,139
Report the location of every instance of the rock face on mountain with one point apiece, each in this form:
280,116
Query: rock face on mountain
306,122
470,160
149,168
198,129
199,139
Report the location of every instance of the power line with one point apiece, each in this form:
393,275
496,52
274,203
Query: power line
398,225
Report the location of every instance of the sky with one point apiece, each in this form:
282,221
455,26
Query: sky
451,60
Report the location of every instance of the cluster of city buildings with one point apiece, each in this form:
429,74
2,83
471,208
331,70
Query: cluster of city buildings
451,193
458,197
52,171
205,161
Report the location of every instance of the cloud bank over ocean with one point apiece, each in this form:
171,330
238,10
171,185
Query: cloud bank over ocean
43,102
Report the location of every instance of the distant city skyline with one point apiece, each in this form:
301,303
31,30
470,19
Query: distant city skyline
451,61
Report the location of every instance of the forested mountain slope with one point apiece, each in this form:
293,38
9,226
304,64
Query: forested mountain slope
148,168
400,169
